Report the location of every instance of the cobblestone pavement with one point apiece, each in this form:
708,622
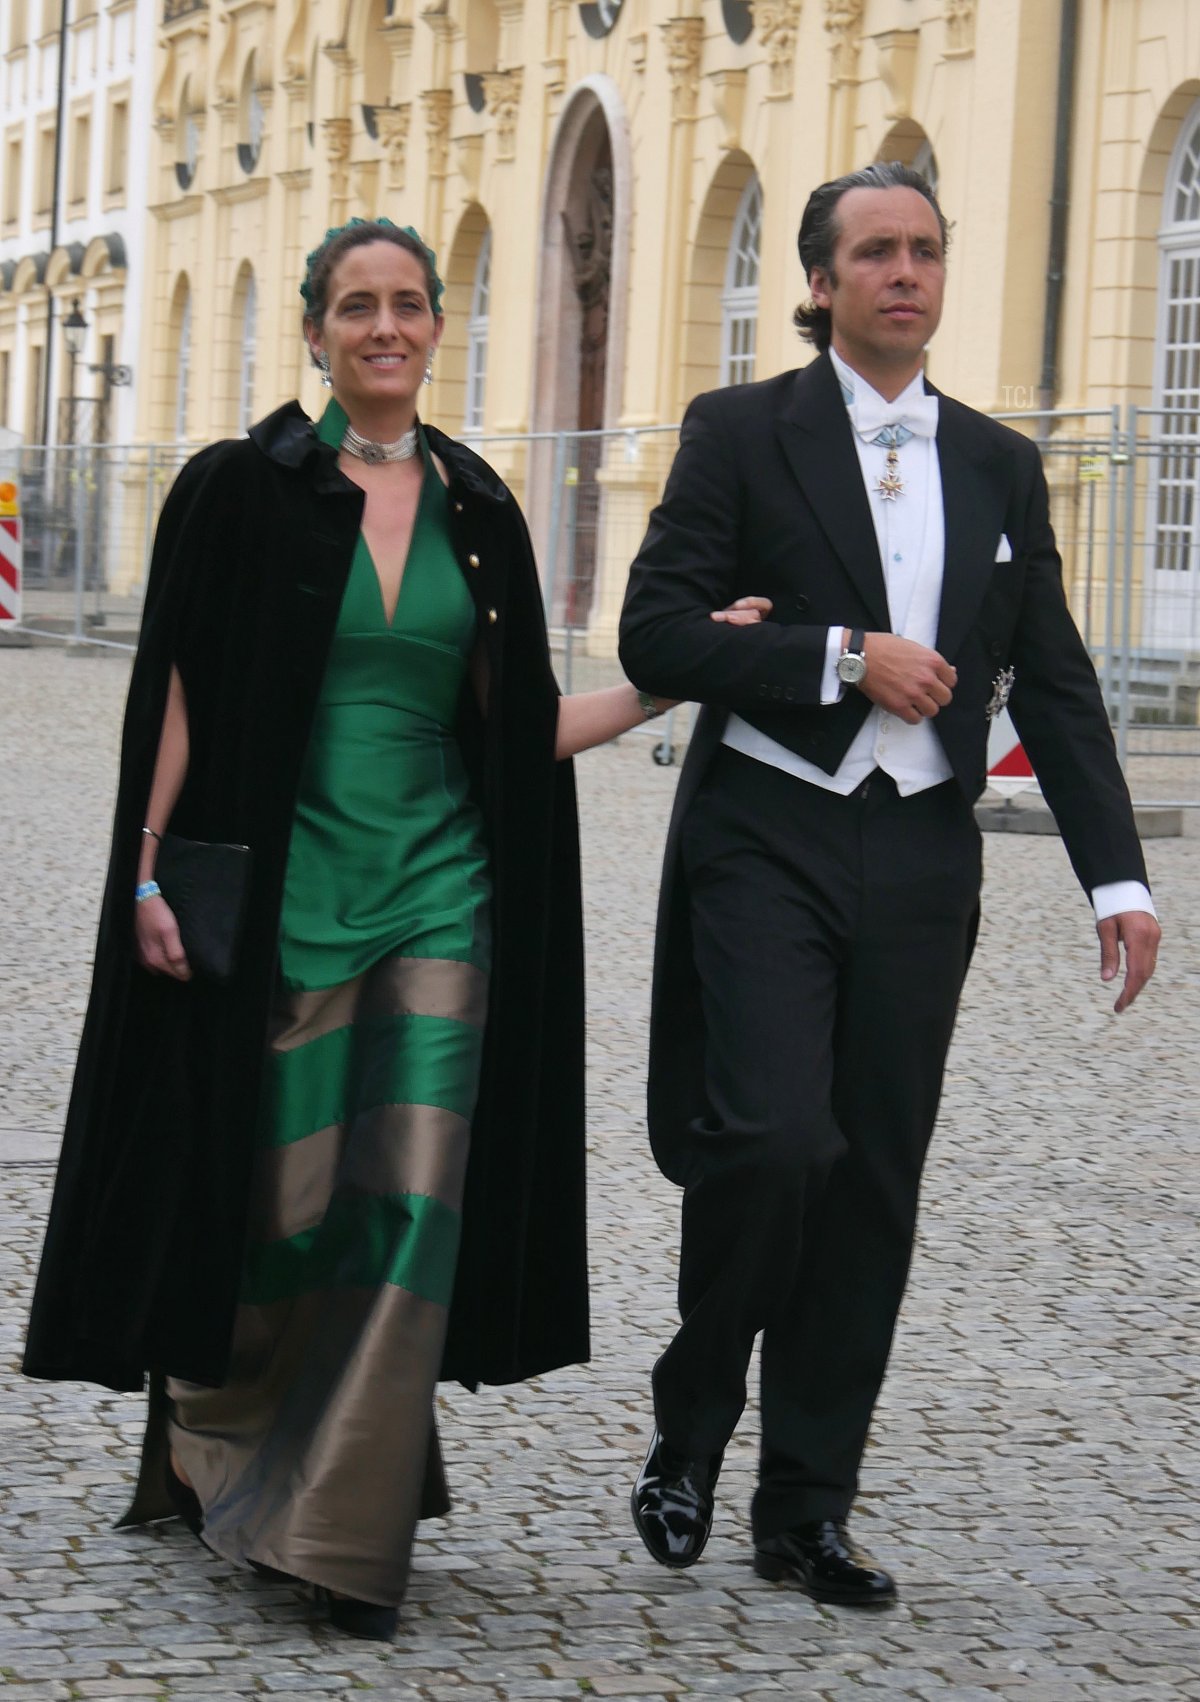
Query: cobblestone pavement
1035,1474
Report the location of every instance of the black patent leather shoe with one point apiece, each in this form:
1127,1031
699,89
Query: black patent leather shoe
358,1618
826,1561
672,1503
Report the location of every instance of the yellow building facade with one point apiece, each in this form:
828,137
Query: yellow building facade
613,190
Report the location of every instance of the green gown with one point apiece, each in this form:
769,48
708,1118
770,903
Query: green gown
319,1453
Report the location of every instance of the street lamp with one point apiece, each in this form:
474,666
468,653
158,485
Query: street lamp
74,331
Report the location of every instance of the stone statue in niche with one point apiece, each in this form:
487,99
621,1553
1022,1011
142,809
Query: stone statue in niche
590,249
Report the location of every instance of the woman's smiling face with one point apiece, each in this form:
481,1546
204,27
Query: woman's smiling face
379,329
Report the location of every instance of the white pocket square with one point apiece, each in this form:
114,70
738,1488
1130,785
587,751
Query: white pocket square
1004,548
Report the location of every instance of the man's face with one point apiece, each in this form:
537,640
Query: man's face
884,289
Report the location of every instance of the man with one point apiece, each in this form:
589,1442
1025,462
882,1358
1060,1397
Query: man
821,893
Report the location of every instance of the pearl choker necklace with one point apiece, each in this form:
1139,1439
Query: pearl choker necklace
403,449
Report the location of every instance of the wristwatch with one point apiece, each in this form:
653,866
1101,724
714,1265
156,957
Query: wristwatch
851,665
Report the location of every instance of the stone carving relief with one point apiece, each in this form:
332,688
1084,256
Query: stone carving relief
502,92
778,23
960,26
437,103
684,39
842,20
336,132
393,124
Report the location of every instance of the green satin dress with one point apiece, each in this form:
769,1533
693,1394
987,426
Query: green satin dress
320,1453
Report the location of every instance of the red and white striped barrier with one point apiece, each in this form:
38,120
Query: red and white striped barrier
10,555
1009,769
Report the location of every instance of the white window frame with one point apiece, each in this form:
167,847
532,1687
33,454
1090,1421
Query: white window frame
1171,594
739,298
477,339
925,161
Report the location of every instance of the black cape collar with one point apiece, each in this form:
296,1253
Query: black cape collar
288,437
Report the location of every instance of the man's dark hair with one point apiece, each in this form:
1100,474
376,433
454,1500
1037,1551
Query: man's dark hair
820,228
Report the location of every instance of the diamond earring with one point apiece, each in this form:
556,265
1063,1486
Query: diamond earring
323,364
428,378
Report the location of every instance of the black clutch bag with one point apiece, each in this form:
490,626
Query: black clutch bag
206,887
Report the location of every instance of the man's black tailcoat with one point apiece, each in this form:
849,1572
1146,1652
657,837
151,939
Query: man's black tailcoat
143,1252
766,497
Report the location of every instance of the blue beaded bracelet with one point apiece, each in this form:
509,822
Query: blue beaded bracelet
148,889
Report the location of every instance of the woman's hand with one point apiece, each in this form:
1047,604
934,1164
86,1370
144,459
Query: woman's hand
159,948
747,611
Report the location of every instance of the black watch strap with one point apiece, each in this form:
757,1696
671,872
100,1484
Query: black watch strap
858,639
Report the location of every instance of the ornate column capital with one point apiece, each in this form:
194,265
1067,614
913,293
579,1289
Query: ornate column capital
685,39
778,23
502,92
437,103
960,27
842,20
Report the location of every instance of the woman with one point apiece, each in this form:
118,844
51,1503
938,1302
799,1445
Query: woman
264,1199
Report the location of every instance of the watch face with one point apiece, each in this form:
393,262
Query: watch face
851,668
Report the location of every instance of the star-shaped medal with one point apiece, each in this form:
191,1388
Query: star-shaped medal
890,485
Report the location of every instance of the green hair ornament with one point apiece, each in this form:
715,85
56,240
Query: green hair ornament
408,230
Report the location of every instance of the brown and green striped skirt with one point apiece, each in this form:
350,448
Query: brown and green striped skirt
319,1454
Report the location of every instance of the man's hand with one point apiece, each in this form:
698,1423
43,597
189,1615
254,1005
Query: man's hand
905,678
1141,934
747,611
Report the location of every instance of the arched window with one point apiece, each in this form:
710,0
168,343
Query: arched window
477,337
249,332
1172,590
739,301
250,118
183,365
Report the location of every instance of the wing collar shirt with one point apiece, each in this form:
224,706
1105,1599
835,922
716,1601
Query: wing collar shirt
910,533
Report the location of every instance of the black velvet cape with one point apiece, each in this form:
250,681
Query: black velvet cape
143,1251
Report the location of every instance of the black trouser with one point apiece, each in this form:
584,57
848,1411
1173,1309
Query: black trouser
831,938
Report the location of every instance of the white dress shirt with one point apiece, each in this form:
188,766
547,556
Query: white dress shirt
910,532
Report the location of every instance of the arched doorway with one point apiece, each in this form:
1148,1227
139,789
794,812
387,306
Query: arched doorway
584,271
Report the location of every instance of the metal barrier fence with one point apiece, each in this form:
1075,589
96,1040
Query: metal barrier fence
1126,514
88,514
1125,502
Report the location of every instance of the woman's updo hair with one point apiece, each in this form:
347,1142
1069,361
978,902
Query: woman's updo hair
323,261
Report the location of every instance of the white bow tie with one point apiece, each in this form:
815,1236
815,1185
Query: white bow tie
917,417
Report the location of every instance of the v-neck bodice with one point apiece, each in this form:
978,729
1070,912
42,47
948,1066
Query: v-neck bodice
417,660
386,843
